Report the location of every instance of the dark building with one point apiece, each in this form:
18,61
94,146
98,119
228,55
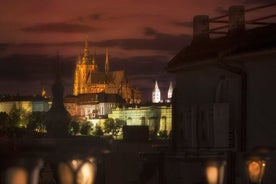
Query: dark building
223,104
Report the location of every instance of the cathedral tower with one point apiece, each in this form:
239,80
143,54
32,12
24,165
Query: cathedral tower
170,91
84,66
156,95
88,79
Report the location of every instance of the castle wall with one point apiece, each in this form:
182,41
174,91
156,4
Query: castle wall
158,118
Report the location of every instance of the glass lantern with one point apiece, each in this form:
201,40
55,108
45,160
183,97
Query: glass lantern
78,171
255,169
215,172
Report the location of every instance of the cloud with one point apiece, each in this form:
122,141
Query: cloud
91,17
3,46
148,31
51,44
188,24
153,41
32,67
95,16
59,27
158,41
258,1
221,10
29,73
140,64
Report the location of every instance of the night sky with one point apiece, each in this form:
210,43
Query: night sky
141,35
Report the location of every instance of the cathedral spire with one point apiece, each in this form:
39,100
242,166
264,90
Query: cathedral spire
86,49
43,93
94,57
156,94
170,91
106,61
79,58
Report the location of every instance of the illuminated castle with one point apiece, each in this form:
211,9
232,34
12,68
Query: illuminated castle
89,79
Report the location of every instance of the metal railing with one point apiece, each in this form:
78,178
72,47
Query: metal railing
221,29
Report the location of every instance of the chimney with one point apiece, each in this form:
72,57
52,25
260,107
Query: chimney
236,20
201,28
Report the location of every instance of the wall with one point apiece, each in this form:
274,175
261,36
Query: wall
158,118
198,93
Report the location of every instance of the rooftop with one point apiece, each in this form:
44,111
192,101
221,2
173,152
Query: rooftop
238,39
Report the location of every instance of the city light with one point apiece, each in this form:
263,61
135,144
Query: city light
16,175
78,171
215,172
255,169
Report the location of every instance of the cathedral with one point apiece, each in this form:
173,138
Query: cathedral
156,94
89,79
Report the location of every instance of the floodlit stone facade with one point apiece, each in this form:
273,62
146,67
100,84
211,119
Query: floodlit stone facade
89,79
27,103
157,117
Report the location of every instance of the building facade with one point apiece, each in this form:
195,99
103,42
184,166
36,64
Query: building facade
92,106
224,98
89,78
157,117
27,103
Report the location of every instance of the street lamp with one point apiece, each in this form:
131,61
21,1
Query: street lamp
255,163
77,171
255,167
215,172
16,175
23,171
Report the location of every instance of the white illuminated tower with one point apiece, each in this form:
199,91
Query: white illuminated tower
156,95
170,91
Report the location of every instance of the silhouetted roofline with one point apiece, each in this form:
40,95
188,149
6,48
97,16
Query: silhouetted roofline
249,41
7,98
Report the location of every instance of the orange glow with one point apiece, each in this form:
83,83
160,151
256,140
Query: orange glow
86,174
212,174
16,175
255,170
83,172
65,173
75,164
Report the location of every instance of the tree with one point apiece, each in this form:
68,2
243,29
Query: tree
113,127
74,128
163,134
14,117
120,122
4,118
85,129
36,122
98,131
